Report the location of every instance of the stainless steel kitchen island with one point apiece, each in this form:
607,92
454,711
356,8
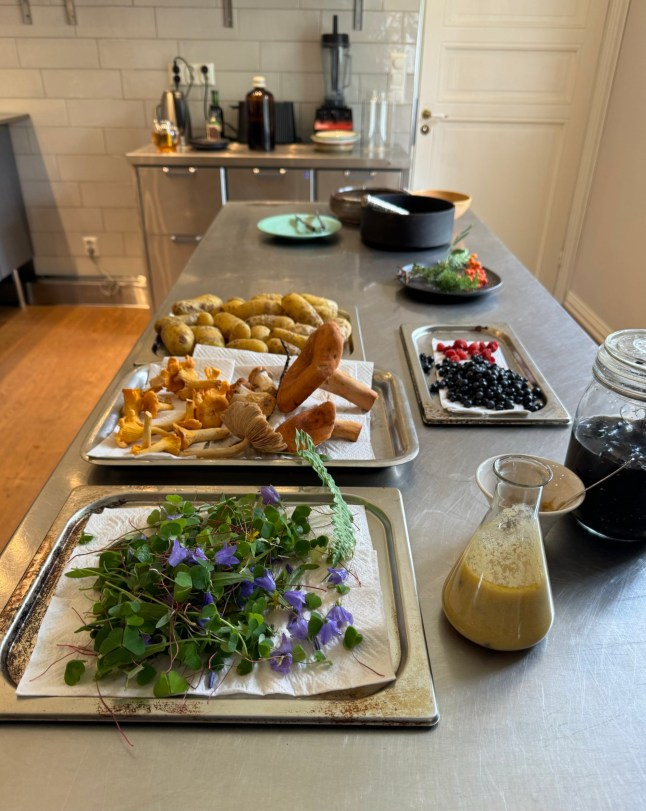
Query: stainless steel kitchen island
557,727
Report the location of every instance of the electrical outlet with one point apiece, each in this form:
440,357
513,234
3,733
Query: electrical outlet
184,78
91,246
204,76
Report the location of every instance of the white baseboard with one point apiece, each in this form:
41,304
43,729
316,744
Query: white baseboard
586,317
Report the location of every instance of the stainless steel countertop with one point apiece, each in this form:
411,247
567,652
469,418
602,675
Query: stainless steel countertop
558,727
293,156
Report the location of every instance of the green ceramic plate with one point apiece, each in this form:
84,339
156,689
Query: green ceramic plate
297,226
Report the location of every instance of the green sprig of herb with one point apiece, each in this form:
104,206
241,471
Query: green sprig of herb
448,274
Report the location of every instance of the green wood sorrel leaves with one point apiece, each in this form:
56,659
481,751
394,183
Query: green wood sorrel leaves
197,584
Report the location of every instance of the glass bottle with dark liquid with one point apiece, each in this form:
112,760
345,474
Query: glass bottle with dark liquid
609,440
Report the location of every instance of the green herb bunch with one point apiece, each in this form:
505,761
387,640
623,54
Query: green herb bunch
198,584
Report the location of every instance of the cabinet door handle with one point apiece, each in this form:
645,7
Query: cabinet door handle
350,172
269,172
181,171
182,239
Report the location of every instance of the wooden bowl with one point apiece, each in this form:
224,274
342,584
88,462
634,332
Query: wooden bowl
459,200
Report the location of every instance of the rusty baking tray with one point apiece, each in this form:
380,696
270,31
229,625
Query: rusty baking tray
392,432
352,350
418,339
407,701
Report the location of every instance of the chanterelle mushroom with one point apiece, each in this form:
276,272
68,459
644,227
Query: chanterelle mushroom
316,367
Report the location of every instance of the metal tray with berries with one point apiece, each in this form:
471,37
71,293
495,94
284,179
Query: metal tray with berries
478,375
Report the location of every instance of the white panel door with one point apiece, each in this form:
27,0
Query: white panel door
504,95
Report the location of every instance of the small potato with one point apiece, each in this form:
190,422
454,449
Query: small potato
301,310
345,326
303,329
271,321
320,303
278,347
206,303
260,333
274,296
178,338
290,337
160,323
209,335
258,306
231,326
204,320
251,344
326,313
231,305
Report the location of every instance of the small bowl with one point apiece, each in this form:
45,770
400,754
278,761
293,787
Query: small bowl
564,484
346,202
462,202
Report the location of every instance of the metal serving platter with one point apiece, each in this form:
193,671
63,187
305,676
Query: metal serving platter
408,701
419,339
392,431
352,350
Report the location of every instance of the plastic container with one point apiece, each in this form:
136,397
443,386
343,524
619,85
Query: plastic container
261,119
607,446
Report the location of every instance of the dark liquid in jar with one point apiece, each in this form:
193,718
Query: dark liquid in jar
599,446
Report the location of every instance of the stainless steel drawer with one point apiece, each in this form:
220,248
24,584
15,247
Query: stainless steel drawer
179,199
329,180
269,184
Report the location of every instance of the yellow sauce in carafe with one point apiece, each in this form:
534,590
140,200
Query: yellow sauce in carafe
497,594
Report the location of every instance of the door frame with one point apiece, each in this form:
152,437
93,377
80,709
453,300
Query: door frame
607,64
606,68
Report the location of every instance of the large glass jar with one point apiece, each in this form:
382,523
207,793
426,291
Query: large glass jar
608,442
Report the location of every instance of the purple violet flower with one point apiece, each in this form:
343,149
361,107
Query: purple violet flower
178,554
269,494
336,576
226,556
339,615
210,680
266,582
147,638
280,660
296,599
246,587
289,568
198,554
208,599
328,632
297,627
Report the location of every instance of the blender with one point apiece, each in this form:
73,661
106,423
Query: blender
337,72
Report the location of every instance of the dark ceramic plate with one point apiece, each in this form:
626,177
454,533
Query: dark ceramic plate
427,291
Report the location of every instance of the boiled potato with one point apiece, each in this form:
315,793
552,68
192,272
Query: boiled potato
231,326
250,344
260,332
204,320
271,321
178,338
301,310
319,303
290,337
345,326
302,329
277,347
209,335
206,303
257,306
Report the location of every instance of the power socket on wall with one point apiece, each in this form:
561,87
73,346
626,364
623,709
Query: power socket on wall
200,77
91,246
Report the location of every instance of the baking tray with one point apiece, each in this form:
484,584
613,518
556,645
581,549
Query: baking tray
418,339
408,701
392,431
352,350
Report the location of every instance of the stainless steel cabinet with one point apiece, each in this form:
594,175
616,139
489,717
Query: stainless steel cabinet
256,183
329,180
178,204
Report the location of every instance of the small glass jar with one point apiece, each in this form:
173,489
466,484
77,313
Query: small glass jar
607,447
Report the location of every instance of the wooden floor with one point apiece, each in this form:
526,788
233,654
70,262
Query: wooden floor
55,363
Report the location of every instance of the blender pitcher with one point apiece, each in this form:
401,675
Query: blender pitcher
498,593
337,65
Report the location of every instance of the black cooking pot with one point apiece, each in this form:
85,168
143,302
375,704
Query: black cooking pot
428,225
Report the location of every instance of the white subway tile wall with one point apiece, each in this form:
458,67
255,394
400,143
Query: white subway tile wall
91,91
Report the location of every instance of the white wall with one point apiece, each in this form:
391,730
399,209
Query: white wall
608,284
91,92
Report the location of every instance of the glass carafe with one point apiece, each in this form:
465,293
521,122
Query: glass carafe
498,593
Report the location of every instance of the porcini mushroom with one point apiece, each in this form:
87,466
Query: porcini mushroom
316,367
321,424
